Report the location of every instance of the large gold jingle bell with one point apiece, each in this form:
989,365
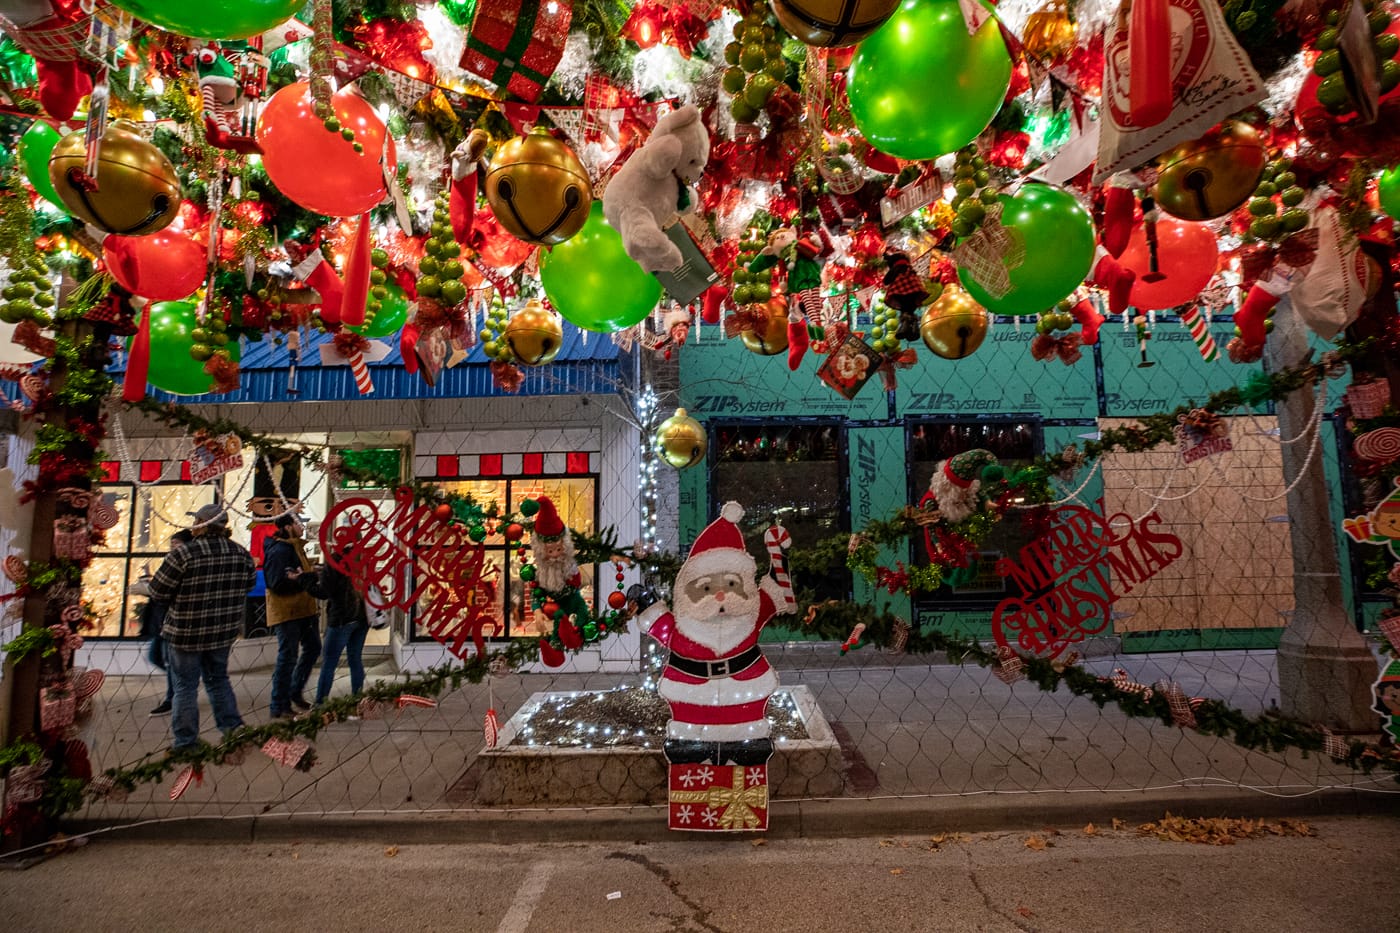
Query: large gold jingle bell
1211,176
538,189
534,334
681,440
954,326
1049,32
833,23
770,338
137,192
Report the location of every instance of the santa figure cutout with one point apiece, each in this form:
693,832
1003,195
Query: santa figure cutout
558,579
717,681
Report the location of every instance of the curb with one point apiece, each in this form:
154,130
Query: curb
790,819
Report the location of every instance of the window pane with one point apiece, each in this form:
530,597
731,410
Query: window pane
573,497
490,595
485,492
163,510
104,588
118,536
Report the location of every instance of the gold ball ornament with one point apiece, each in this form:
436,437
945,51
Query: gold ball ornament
1211,176
954,326
538,189
681,440
1049,32
833,23
770,337
534,334
137,192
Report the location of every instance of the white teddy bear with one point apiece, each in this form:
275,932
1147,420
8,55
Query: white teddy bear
648,192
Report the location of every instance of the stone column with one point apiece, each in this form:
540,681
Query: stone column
1325,667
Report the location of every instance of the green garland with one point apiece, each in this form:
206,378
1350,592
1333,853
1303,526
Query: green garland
31,641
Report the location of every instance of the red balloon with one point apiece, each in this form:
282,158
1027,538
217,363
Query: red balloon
1187,256
316,167
164,266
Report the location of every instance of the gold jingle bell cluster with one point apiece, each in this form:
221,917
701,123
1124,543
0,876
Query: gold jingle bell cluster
137,190
954,325
681,440
538,189
1211,176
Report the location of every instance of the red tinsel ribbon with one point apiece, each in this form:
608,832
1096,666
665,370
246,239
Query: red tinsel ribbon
893,581
1241,352
506,376
347,344
902,359
747,318
224,371
398,45
1045,347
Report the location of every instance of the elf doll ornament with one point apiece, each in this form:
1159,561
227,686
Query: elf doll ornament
801,258
716,679
225,99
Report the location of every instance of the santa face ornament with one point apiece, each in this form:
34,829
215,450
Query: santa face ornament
717,681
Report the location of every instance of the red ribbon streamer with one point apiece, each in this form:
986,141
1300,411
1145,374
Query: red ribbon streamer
138,363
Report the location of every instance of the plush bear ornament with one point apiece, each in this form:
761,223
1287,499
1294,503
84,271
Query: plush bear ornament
648,192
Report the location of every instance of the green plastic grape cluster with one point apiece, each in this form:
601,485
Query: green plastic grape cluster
1332,91
30,292
756,65
882,332
440,270
1047,322
493,332
1278,181
969,174
209,338
751,288
378,284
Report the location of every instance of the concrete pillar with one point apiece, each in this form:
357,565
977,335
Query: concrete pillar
1325,667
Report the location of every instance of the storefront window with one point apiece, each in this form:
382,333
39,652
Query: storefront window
930,443
790,474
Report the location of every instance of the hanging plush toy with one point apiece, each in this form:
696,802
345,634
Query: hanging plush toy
47,29
654,188
801,258
225,99
905,292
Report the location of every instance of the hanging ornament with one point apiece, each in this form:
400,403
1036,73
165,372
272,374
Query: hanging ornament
593,283
1049,32
756,65
213,19
681,440
135,190
768,335
1388,191
832,23
538,189
1353,77
35,149
1277,186
534,334
164,266
28,295
1211,176
493,329
954,326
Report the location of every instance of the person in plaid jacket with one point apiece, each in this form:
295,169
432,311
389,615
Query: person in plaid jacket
206,585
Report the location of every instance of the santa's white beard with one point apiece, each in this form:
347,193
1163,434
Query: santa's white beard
553,575
704,624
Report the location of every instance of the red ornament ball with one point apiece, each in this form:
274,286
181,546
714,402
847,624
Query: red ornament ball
443,512
616,599
550,608
514,531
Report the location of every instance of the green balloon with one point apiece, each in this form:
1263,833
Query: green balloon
35,147
921,87
213,19
1059,240
392,315
592,281
172,367
1389,190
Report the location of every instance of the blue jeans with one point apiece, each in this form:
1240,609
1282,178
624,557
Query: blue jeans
187,668
298,645
351,640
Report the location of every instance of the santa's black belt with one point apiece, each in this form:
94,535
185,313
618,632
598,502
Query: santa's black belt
711,669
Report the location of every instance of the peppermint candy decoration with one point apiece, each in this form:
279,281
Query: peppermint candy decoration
1380,446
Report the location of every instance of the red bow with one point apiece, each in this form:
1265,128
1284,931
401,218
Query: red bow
901,359
1045,347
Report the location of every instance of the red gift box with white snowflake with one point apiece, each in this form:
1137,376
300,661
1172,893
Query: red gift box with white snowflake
718,798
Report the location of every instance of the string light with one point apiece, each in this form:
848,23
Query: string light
648,404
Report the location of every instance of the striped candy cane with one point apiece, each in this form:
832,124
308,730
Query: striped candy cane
778,540
1200,333
361,373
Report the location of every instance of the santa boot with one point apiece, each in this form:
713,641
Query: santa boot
1090,320
320,275
1117,219
1114,278
797,339
1250,318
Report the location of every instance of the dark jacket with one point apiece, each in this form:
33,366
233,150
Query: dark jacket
344,606
206,585
287,599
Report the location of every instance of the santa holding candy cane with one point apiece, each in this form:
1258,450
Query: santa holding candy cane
716,679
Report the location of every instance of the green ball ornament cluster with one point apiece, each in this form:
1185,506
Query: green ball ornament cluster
1388,191
209,338
1048,322
756,65
440,270
1277,188
751,287
493,330
386,308
974,193
885,321
29,295
1332,91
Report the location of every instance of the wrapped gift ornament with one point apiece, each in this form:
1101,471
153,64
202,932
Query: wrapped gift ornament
71,538
718,798
57,708
516,44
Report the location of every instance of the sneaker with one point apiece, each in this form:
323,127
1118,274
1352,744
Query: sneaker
162,709
300,703
284,714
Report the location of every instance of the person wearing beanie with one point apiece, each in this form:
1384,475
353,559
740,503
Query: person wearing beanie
204,584
292,590
716,679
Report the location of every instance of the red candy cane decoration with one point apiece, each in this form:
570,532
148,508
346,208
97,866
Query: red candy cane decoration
778,540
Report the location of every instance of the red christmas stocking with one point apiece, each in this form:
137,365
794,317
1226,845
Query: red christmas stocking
138,362
1252,314
1090,320
61,86
797,339
320,275
1117,219
711,303
1116,279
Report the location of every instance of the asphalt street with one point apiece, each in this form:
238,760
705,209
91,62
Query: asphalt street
1339,877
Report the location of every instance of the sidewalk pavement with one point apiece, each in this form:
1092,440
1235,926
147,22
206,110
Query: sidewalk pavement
928,748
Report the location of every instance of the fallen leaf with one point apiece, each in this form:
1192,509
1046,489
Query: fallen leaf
391,851
1025,912
1118,824
760,842
296,855
896,871
1036,844
1091,830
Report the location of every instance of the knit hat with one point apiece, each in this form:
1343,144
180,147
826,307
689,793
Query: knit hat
547,521
719,548
957,481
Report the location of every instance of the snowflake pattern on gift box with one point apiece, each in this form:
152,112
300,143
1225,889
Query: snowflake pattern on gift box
710,816
756,776
685,815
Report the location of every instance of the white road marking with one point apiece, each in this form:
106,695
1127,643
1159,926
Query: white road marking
527,898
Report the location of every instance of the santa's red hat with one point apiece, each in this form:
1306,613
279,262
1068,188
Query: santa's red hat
547,521
719,549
